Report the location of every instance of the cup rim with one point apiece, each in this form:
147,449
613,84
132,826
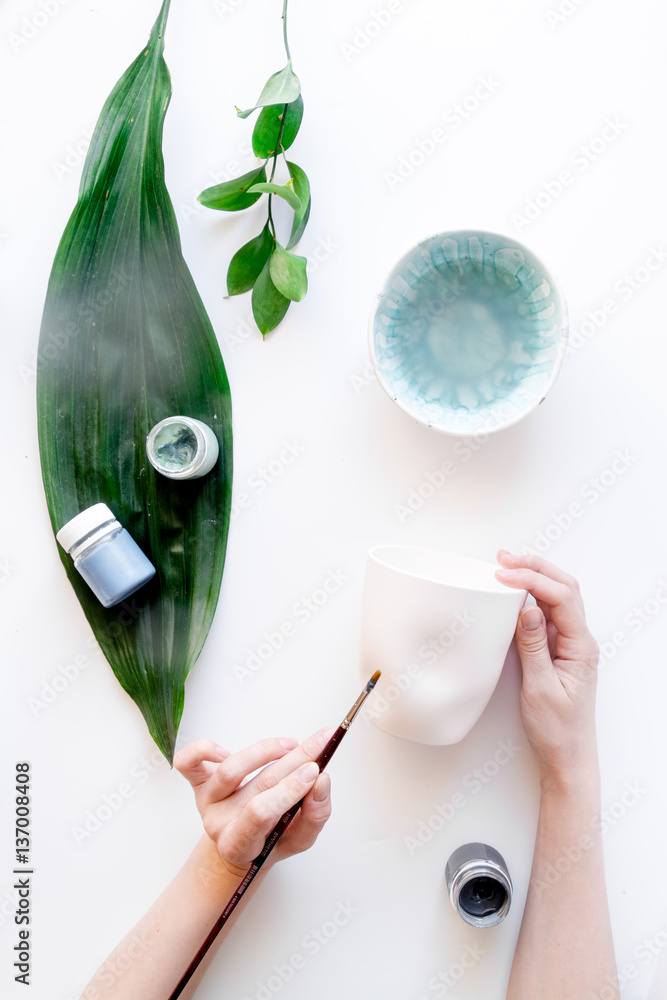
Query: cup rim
506,592
558,361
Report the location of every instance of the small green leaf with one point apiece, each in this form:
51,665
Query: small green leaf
283,190
247,263
236,194
267,128
281,88
288,273
268,305
302,191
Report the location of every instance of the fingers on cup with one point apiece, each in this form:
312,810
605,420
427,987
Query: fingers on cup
540,565
532,640
564,610
532,620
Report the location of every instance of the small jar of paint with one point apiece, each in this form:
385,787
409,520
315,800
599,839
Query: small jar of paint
106,556
182,448
479,884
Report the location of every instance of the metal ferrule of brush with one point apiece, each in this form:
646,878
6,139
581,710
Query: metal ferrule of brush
349,718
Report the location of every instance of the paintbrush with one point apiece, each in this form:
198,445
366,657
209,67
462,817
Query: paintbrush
322,760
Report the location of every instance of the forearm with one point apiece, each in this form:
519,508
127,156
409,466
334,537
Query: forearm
149,962
565,949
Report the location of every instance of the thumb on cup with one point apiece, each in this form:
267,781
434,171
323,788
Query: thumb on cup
532,641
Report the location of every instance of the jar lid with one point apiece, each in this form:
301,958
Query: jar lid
88,520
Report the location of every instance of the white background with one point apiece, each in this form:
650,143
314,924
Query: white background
368,102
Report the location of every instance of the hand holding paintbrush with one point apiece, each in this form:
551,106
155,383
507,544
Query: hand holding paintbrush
267,779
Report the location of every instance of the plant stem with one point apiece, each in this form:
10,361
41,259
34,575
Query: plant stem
276,153
271,224
282,123
279,149
289,57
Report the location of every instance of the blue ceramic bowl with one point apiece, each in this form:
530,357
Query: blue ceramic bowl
469,332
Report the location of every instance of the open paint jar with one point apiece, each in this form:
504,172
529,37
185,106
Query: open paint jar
182,448
479,884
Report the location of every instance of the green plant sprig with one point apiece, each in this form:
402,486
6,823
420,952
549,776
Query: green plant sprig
276,276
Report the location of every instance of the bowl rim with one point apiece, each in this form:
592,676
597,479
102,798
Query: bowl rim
558,361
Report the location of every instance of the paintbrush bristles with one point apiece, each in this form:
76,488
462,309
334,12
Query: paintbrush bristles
373,681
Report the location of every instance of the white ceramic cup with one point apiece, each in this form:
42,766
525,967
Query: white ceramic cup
438,626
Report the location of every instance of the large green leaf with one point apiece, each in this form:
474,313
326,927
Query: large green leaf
125,341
